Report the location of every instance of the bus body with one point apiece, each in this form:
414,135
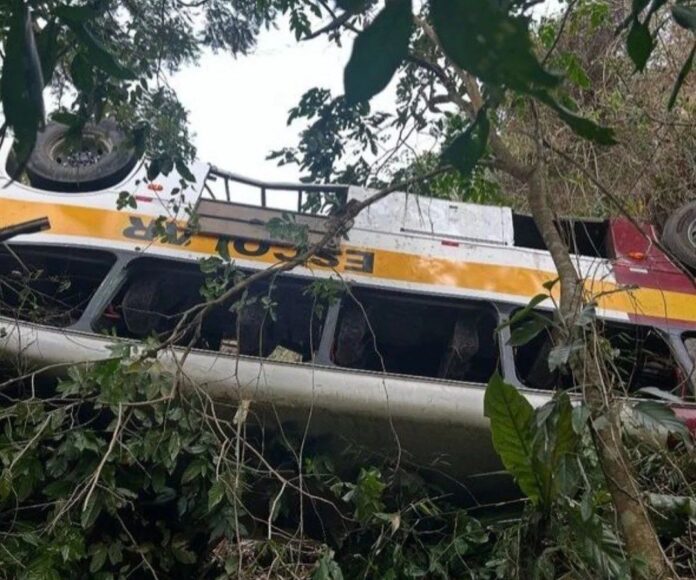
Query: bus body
397,361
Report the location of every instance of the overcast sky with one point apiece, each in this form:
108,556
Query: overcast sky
239,107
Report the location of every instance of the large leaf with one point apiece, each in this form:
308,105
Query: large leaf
465,150
599,547
639,44
378,51
526,329
681,77
685,16
47,46
21,88
657,417
513,429
561,442
581,126
81,73
488,42
97,53
672,513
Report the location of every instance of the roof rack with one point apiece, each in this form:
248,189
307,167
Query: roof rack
222,216
264,187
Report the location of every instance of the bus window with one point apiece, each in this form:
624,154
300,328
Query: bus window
48,284
278,318
410,335
641,358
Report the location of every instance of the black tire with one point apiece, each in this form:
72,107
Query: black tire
102,159
679,234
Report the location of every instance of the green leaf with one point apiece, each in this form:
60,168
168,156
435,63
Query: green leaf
184,171
58,489
378,51
182,552
98,558
21,85
47,46
193,470
81,73
174,445
327,569
585,128
527,329
567,475
586,506
525,312
154,169
490,43
562,439
97,53
681,77
115,553
367,493
560,354
554,442
639,44
574,71
685,16
91,511
223,249
215,494
676,503
513,430
466,149
75,14
5,485
580,416
66,118
599,547
655,416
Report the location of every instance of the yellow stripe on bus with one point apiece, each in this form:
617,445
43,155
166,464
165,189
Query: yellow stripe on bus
397,266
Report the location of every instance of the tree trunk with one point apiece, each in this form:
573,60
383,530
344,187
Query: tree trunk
635,525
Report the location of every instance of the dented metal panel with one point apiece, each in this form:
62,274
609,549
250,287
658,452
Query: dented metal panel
412,214
234,220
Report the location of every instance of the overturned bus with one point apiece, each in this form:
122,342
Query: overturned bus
397,357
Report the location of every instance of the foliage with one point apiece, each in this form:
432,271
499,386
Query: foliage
578,44
537,448
126,469
95,478
111,58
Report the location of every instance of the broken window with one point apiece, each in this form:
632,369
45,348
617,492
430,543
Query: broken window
640,356
410,335
643,359
281,316
49,284
586,237
532,358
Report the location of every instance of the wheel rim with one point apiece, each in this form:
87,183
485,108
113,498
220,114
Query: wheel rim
80,151
691,234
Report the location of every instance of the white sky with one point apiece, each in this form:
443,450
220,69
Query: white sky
238,108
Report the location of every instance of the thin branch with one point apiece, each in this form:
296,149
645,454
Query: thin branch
335,24
112,443
561,29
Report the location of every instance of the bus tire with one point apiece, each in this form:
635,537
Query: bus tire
102,159
679,234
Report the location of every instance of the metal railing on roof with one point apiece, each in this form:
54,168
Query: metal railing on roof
340,192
